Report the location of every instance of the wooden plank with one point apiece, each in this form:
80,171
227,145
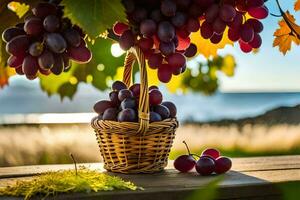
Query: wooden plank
239,164
251,178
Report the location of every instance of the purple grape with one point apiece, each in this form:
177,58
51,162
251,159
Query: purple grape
51,23
127,115
179,19
193,25
167,48
36,49
72,37
135,89
18,46
155,60
191,51
166,31
30,66
58,66
56,42
155,117
80,54
33,27
124,94
10,33
128,103
212,13
113,96
46,60
152,87
110,114
205,166
44,9
172,108
156,15
213,153
15,62
184,163
163,111
129,5
139,14
101,106
127,40
118,85
223,164
155,97
168,8
148,27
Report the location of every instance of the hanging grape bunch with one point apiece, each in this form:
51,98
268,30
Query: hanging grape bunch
162,28
45,43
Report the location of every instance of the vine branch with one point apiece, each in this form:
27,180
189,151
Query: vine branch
293,31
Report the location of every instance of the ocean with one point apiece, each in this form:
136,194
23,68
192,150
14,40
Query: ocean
22,99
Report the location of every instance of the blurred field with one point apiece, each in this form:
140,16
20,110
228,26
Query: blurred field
24,145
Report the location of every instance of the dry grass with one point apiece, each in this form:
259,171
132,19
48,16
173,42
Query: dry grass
22,145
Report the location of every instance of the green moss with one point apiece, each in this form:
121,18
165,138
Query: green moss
66,181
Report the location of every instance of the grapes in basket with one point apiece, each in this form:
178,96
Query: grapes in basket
45,42
123,102
162,28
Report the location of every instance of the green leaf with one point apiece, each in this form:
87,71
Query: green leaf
290,190
67,90
94,17
208,192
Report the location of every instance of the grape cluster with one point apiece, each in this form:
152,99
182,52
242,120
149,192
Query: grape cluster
161,29
209,162
122,105
232,14
45,42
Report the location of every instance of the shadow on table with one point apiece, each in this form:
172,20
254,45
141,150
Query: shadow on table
191,186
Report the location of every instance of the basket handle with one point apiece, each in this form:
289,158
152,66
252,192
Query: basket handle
136,54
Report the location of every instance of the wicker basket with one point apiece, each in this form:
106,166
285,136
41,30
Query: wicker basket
130,147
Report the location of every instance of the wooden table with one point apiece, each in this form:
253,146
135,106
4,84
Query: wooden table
250,178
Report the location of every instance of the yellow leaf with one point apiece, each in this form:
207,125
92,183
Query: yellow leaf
284,35
176,84
206,48
19,8
229,65
152,76
5,73
297,5
119,74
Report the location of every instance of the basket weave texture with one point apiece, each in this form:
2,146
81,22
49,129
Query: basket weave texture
135,147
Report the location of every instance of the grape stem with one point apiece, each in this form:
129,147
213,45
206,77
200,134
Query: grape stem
187,147
75,163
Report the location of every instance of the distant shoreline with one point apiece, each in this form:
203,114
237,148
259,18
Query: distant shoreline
280,115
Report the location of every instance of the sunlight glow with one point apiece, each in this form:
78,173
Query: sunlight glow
116,50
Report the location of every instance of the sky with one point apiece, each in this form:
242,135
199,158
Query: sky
268,70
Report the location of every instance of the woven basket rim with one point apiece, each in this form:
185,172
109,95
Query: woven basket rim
135,125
